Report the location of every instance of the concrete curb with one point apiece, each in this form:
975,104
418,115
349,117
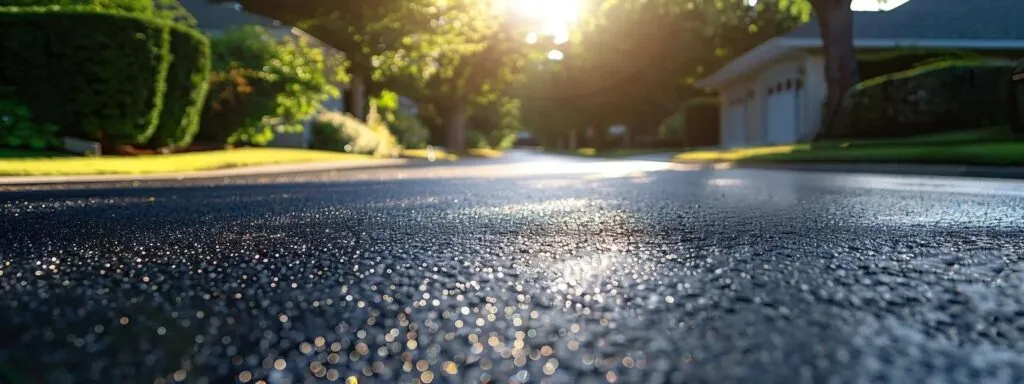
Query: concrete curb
1001,172
255,170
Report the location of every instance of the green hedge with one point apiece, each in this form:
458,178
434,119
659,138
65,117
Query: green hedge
95,74
186,88
1017,100
881,63
941,97
131,6
237,102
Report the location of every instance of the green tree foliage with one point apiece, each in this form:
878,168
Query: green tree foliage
363,30
635,61
442,53
264,85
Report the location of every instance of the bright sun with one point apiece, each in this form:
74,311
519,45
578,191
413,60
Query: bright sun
554,17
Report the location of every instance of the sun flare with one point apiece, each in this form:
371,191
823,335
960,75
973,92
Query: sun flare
553,17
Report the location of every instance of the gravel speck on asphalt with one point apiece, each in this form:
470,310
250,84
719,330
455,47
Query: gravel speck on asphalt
560,271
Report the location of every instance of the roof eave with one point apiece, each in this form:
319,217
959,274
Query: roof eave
769,51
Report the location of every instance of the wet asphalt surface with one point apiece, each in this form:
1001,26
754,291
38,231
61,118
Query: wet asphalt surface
536,269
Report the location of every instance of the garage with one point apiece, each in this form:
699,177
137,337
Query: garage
782,112
736,124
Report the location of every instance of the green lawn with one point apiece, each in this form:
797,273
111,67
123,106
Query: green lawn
989,146
183,162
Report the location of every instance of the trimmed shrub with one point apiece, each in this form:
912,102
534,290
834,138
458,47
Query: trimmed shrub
19,131
336,131
941,97
96,74
1017,99
881,63
235,107
186,88
144,7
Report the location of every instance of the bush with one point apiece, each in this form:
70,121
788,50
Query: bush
262,86
17,129
336,131
695,125
409,130
501,140
495,122
476,139
144,7
1017,99
235,108
946,96
881,63
673,127
186,89
95,74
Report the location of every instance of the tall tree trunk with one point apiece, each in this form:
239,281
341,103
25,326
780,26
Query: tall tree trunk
455,126
357,97
573,140
835,20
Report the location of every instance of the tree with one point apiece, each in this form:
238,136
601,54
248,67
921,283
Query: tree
448,51
360,29
835,19
462,67
634,62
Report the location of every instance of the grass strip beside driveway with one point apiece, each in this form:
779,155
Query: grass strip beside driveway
181,162
977,153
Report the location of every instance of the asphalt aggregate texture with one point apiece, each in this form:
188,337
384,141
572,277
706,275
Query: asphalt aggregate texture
535,268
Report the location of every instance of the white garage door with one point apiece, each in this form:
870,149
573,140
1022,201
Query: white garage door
783,112
736,131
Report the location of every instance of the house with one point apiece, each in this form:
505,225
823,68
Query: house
216,18
775,93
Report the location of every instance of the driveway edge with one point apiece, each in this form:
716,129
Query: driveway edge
254,170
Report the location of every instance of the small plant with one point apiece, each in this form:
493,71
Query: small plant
18,130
